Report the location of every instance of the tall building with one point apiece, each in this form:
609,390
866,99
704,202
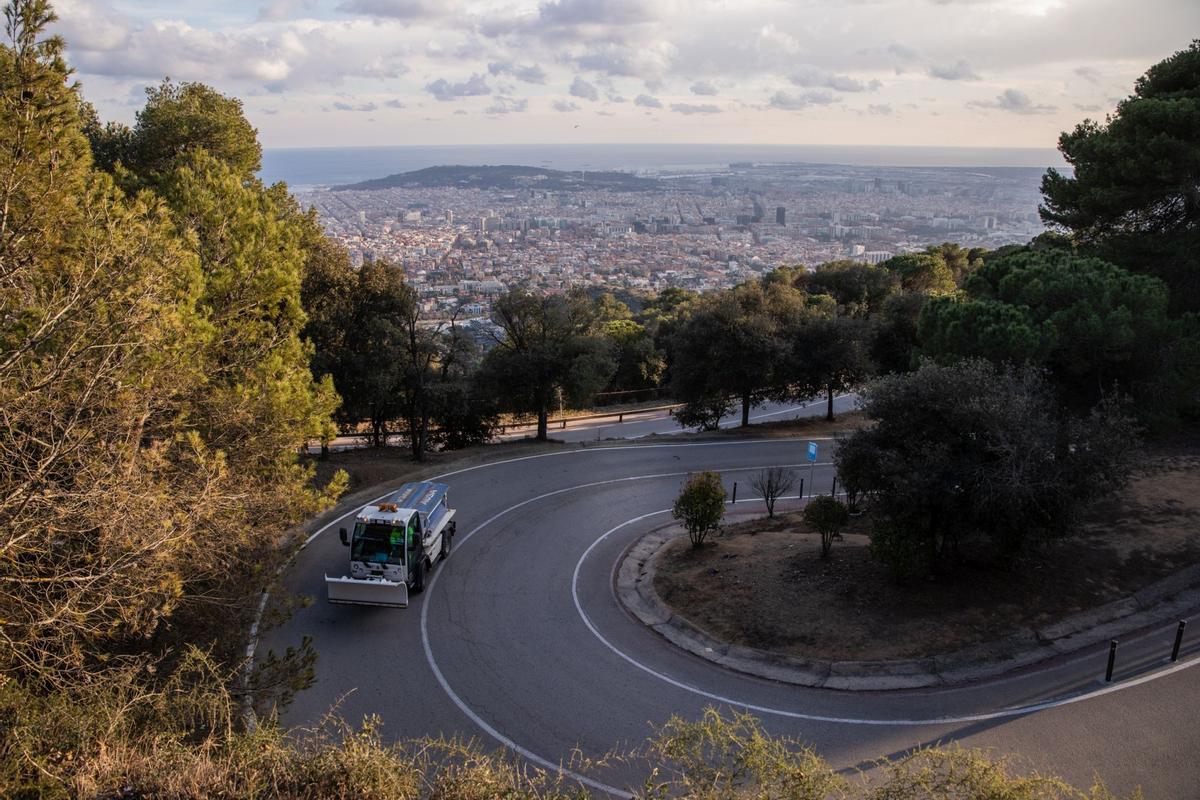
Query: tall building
780,215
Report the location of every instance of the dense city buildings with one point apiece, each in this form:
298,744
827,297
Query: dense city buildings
464,235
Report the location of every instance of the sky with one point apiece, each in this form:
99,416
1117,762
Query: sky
945,73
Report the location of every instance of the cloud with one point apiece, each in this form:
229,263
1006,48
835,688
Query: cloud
703,88
444,91
1089,74
880,109
1015,101
565,106
102,41
394,104
531,73
393,9
785,101
507,105
648,61
646,101
1090,108
695,108
815,77
958,71
581,88
343,106
613,97
567,13
279,10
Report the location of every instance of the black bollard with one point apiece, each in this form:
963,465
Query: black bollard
833,491
802,488
1112,658
1178,639
734,500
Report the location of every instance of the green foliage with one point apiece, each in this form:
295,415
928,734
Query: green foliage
859,289
975,455
734,345
924,273
1132,198
703,413
1093,325
700,506
368,366
154,385
181,120
546,349
894,333
828,515
639,363
828,356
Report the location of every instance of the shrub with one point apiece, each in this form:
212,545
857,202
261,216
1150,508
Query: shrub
772,483
700,506
828,515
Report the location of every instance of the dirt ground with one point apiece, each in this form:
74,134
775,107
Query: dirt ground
762,583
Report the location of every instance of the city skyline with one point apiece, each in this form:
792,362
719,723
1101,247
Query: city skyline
385,72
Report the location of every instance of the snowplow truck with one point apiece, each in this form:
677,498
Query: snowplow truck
393,546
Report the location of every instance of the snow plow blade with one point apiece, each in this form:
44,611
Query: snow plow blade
367,592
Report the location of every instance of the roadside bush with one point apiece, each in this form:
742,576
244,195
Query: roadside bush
973,453
828,515
700,506
703,414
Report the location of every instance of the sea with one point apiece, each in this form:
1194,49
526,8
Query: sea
304,168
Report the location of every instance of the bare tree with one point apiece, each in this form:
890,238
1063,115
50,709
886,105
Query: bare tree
772,483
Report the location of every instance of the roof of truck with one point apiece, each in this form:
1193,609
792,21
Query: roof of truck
423,498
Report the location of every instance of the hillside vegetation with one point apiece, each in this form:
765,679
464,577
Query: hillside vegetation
172,333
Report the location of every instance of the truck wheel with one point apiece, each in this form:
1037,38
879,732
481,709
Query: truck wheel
418,576
446,544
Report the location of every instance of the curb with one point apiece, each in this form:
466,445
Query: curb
1161,601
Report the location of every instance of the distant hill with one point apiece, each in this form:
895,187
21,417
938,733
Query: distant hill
506,177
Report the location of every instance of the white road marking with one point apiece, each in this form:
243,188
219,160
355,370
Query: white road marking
491,731
949,720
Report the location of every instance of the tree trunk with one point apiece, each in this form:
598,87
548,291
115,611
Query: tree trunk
745,410
415,439
829,407
543,424
324,450
376,432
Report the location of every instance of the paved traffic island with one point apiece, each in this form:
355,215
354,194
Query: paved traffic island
759,598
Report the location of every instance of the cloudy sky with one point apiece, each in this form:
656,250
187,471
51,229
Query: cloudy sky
379,72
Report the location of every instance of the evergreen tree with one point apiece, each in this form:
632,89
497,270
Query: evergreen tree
1133,196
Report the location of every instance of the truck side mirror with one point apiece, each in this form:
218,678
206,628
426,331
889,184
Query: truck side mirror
345,538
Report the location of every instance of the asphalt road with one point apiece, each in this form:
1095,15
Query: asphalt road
518,640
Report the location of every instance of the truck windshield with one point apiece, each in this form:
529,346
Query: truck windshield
378,544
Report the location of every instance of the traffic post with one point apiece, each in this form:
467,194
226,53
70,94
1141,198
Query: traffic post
812,465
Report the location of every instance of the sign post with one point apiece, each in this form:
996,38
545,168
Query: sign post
812,465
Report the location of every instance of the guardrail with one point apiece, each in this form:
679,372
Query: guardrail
620,415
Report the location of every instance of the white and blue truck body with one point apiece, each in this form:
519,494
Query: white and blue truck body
394,544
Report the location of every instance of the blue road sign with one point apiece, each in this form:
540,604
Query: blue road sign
812,451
